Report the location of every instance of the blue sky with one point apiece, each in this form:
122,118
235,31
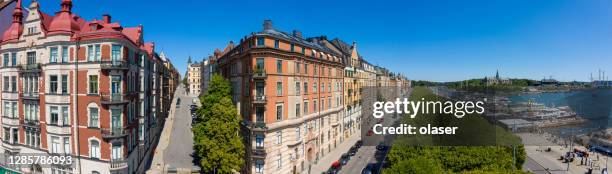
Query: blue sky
438,40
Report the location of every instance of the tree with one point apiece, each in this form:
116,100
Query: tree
218,143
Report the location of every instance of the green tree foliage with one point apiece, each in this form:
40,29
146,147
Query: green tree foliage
218,143
421,154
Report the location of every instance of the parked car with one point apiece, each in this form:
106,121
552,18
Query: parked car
353,151
381,146
344,158
359,143
369,169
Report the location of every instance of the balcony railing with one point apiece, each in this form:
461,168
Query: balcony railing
259,99
113,98
259,74
256,126
32,67
114,132
30,95
114,64
259,152
116,164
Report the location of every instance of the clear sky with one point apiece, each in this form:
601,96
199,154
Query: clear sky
438,40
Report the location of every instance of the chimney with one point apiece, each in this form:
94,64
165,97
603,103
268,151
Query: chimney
106,18
297,34
267,25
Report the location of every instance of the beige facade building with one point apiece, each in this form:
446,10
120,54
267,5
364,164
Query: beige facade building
194,78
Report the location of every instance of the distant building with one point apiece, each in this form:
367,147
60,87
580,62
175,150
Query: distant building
193,78
205,75
602,83
497,80
549,82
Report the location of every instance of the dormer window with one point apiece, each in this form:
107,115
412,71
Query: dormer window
31,30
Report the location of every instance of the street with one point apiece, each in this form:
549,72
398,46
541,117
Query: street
179,152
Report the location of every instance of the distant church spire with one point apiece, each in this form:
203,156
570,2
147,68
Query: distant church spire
497,74
189,60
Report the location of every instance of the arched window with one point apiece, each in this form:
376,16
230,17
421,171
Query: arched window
95,172
94,149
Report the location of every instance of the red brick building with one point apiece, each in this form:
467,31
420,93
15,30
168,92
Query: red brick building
89,89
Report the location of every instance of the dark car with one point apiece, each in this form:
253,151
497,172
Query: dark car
353,151
344,158
381,146
358,144
369,169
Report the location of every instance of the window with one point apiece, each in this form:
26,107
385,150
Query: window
260,41
15,135
322,87
259,166
259,64
314,105
298,133
116,152
5,59
305,68
93,84
297,110
31,57
305,87
116,53
305,107
279,161
53,55
64,54
279,88
303,50
292,47
279,112
7,134
64,84
6,83
93,117
259,114
279,66
297,67
94,149
65,116
55,144
259,141
322,104
279,137
314,88
66,145
54,115
53,84
297,88
13,83
276,44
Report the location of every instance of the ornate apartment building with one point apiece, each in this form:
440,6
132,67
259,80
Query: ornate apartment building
89,89
194,78
289,92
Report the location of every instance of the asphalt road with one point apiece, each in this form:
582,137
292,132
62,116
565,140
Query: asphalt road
179,152
368,154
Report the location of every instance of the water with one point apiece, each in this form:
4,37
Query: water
595,105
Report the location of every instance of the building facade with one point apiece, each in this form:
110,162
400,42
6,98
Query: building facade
194,78
206,71
289,92
87,89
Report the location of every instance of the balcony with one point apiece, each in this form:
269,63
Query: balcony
259,99
27,68
31,123
259,74
259,152
258,126
114,133
113,98
118,164
30,95
114,65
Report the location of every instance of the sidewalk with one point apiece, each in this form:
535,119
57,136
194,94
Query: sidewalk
329,158
157,165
